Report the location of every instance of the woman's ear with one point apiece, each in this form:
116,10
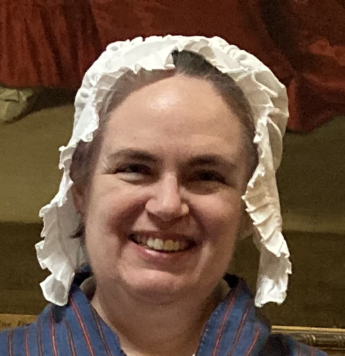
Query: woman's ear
78,194
245,228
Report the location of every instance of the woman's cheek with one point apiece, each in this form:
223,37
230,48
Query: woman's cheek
121,208
222,213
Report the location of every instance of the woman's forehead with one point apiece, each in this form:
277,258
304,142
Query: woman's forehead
175,108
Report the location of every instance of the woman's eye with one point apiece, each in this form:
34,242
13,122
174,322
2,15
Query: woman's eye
134,169
210,176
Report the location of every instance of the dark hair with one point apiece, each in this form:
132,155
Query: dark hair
186,63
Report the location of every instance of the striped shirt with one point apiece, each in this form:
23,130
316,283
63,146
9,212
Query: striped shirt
76,329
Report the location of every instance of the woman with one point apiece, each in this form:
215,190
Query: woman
172,159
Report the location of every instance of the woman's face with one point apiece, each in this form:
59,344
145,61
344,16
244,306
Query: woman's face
164,205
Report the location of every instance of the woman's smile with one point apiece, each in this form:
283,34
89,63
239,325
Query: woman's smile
165,255
162,242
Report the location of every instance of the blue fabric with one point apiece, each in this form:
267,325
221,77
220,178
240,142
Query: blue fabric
76,329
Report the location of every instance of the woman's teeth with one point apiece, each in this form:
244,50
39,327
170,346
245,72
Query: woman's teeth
159,244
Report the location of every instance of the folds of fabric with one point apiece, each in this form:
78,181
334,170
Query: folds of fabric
46,42
52,43
311,36
238,22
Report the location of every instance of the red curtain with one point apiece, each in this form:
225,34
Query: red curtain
46,42
52,43
311,35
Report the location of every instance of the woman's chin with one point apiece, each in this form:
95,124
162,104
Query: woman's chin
157,285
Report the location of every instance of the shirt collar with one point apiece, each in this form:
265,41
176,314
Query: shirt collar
234,328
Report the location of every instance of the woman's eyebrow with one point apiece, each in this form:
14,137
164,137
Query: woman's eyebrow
134,154
213,160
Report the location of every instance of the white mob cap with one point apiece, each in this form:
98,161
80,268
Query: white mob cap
62,255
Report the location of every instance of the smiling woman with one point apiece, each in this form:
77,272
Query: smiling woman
165,192
172,159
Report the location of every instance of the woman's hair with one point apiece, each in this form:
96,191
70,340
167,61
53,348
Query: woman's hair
186,63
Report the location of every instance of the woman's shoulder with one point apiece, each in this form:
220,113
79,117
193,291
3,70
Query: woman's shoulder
21,340
12,341
285,345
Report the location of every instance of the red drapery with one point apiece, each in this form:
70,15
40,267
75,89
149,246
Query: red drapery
53,42
46,42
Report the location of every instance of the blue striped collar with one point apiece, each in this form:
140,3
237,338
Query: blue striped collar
234,327
77,330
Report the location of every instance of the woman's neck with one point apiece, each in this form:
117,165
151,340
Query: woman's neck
156,329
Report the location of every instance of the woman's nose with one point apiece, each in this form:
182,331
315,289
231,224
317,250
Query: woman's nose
166,202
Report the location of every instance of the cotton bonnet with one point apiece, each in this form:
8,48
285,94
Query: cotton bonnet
62,255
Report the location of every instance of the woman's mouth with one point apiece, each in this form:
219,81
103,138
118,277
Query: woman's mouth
163,245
